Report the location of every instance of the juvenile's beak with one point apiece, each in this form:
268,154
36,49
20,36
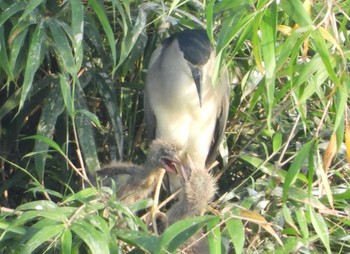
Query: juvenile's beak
198,80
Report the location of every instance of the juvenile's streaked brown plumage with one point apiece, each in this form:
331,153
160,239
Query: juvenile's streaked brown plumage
199,188
140,181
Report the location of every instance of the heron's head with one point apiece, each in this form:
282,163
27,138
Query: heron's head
195,47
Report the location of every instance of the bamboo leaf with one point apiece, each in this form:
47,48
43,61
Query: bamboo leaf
296,166
30,7
42,236
33,61
66,242
236,231
321,228
214,237
52,108
101,14
92,238
77,11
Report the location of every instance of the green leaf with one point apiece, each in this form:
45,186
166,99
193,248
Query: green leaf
179,232
42,236
66,242
33,61
92,238
47,141
33,4
296,11
89,115
235,229
4,63
142,240
321,228
12,10
77,13
86,138
52,108
268,42
82,195
296,166
101,14
214,236
63,49
66,93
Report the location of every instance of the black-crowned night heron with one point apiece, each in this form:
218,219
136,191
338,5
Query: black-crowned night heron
181,102
140,181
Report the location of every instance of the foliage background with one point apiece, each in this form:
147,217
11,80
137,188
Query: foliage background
71,75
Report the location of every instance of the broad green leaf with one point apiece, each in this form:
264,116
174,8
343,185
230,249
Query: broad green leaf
296,11
12,10
33,4
4,63
235,229
42,236
181,231
86,135
209,12
66,242
326,57
297,163
47,141
90,115
288,217
321,228
142,240
52,108
214,236
53,216
112,106
66,94
92,237
82,196
302,222
11,103
77,12
268,42
276,141
33,61
63,48
16,47
101,14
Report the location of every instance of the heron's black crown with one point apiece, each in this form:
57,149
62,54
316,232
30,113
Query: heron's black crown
194,44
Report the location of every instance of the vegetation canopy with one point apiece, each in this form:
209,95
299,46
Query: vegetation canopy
71,99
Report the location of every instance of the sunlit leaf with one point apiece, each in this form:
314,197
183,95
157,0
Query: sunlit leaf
236,231
260,220
42,236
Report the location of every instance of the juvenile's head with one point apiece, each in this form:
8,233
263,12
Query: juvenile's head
164,154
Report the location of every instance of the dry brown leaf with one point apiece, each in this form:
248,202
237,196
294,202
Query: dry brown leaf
260,220
329,153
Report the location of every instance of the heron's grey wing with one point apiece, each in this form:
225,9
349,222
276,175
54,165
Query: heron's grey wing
223,90
150,118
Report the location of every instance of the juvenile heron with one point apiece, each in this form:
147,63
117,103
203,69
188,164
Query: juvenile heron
198,190
181,102
141,180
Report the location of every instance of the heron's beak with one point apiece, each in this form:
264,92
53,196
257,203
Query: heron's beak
171,163
198,80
